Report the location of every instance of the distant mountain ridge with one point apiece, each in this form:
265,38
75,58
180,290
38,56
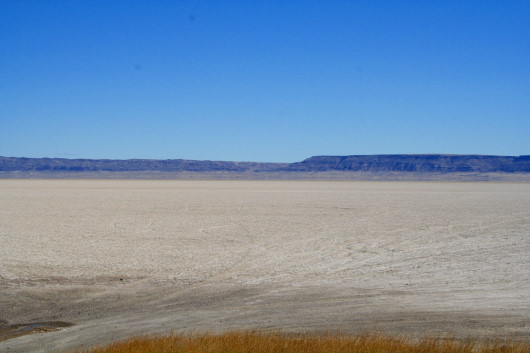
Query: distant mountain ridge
437,163
123,165
415,163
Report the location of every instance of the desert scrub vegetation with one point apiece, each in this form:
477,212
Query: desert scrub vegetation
256,342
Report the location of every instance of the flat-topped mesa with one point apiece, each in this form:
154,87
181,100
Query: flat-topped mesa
438,163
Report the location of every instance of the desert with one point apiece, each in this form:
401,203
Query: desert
109,259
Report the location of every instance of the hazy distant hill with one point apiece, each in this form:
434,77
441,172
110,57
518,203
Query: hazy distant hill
137,165
396,164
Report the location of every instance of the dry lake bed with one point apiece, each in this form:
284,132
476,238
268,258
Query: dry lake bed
120,258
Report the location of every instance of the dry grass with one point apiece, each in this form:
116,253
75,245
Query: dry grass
256,342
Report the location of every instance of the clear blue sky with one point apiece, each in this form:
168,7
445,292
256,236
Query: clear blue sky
263,80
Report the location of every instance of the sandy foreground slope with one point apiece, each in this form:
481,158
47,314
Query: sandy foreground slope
121,258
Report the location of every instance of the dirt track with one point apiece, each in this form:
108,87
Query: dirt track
119,258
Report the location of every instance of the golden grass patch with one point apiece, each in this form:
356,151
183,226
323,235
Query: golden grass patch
257,342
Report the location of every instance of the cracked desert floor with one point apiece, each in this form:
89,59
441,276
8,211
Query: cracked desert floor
120,258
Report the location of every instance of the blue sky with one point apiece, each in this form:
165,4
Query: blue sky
263,80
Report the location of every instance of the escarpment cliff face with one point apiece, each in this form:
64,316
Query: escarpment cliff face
415,163
429,163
